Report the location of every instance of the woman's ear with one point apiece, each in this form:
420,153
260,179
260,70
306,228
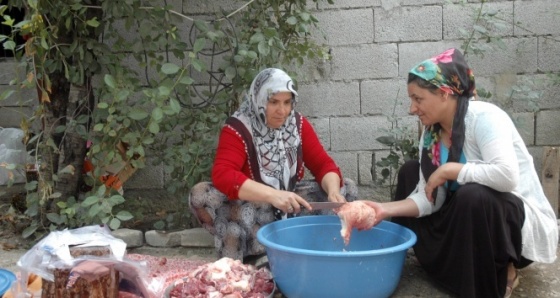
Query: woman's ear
444,95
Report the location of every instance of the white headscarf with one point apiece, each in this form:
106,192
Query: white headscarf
276,148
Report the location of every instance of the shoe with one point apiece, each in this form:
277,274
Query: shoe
511,285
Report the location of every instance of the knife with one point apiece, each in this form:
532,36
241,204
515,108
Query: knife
325,205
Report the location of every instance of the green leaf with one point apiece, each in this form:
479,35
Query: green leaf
164,90
386,140
124,215
256,38
102,105
93,22
198,65
174,105
137,114
230,72
110,81
94,210
169,68
186,80
6,94
153,127
157,114
53,217
159,225
116,200
201,25
90,201
291,20
264,48
114,224
11,45
29,231
199,45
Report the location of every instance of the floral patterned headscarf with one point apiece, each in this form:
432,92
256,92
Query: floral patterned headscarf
276,148
450,73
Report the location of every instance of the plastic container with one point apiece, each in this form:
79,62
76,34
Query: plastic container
308,258
6,279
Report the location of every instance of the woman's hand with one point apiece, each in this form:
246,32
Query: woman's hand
335,196
331,185
380,212
448,171
289,202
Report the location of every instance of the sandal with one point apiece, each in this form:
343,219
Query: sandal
511,285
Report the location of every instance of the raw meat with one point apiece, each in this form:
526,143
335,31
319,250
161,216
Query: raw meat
225,278
356,214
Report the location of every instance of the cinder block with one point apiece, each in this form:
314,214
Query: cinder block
413,53
368,61
525,124
548,58
321,126
21,97
11,70
541,85
366,168
519,56
456,17
401,24
345,27
384,97
203,7
345,4
537,17
537,154
348,163
12,116
149,177
360,133
329,99
548,128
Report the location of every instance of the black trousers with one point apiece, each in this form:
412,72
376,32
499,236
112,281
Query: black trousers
467,244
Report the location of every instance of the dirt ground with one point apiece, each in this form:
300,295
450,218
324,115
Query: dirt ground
537,280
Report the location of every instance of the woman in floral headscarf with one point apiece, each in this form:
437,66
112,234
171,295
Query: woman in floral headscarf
259,166
474,199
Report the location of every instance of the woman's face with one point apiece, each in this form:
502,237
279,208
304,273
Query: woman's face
278,109
428,105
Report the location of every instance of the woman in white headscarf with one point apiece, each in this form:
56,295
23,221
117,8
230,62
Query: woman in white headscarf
259,166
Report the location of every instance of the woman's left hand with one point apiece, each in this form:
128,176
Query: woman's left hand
448,171
335,196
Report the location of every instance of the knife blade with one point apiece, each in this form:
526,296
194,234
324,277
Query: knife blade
325,205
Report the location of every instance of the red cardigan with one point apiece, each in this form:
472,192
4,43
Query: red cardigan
231,167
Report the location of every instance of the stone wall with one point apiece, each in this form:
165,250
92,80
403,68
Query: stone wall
373,45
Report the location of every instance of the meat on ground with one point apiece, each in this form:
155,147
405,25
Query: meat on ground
356,214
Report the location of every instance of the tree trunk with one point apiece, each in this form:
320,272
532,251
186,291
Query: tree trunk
73,145
54,115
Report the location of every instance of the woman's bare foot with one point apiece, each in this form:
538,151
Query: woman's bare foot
512,280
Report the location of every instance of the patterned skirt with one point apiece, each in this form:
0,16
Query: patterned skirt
234,223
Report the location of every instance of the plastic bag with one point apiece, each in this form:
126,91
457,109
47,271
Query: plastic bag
12,151
54,250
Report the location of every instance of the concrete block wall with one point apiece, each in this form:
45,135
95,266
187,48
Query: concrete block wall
397,35
374,43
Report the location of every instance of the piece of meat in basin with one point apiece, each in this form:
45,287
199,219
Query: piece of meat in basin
356,214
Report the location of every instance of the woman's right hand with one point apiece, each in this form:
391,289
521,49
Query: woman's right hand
288,201
380,213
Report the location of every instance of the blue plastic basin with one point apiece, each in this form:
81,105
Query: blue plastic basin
308,258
